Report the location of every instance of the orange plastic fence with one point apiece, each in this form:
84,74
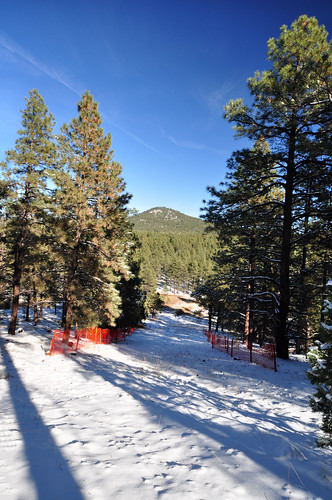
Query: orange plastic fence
264,356
68,341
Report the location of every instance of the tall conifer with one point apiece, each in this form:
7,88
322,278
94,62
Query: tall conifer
291,109
93,228
26,170
245,212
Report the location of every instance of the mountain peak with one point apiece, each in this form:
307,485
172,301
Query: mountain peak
167,220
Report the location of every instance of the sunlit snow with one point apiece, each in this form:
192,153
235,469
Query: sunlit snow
160,416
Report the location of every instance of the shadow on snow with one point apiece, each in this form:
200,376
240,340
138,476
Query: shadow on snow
162,396
48,468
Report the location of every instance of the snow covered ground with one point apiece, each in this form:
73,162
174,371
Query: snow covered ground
160,416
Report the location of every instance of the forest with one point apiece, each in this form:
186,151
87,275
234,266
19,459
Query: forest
65,231
176,262
175,251
272,214
260,259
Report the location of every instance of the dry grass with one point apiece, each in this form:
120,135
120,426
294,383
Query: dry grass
182,305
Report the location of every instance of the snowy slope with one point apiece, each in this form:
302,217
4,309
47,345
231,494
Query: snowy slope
161,416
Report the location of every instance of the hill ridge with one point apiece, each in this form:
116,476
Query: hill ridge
164,219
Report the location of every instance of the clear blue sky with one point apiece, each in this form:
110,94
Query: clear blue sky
161,71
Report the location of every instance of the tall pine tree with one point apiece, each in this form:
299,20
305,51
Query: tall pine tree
292,110
26,170
90,212
245,212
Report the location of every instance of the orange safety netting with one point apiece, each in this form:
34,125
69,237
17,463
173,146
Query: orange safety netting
68,341
264,356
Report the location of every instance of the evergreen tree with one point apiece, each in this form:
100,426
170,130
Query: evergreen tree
210,295
93,229
4,261
154,303
133,299
246,215
320,357
26,170
292,111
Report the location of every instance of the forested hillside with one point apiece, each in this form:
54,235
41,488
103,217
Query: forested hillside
175,252
167,220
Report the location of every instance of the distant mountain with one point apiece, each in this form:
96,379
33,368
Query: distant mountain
167,220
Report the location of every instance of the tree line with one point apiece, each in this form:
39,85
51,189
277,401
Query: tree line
65,230
176,262
273,213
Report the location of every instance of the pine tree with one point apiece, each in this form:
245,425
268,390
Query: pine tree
245,213
133,297
320,357
4,261
292,111
26,170
93,229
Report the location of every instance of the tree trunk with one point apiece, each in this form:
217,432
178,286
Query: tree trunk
15,302
18,267
64,310
35,307
252,271
282,327
249,316
71,287
19,251
210,318
246,324
324,288
41,310
27,311
304,330
69,313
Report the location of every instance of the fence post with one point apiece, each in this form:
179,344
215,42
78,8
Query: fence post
52,344
274,357
78,334
65,337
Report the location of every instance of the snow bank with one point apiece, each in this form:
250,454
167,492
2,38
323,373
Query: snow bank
161,416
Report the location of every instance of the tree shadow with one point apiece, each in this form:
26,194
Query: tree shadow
160,396
48,468
172,349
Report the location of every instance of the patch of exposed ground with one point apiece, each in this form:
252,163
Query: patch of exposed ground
183,304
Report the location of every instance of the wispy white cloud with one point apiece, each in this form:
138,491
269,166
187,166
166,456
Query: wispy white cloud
211,101
134,137
193,145
22,53
15,49
114,61
138,139
186,144
216,98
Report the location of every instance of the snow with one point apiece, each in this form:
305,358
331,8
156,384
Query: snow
160,416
